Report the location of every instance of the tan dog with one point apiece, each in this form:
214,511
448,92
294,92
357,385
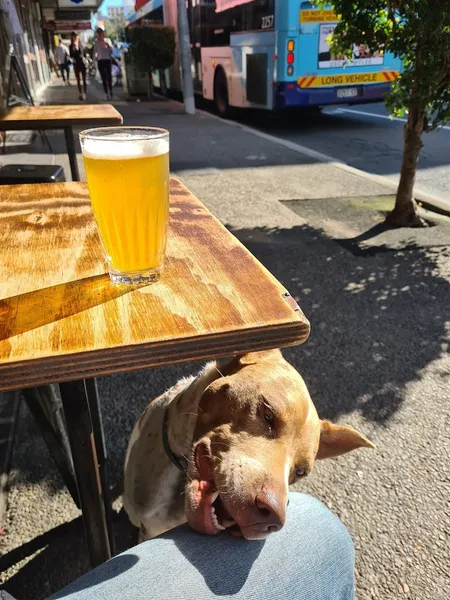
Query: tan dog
220,450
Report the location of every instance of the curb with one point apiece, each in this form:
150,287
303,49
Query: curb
429,201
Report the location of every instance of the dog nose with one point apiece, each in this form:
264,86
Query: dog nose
272,509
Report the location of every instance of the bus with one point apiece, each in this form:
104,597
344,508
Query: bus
273,55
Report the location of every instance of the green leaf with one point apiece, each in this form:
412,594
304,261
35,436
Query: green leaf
152,48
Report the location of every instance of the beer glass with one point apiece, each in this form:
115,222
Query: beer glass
127,170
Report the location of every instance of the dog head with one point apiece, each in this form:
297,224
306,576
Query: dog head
257,432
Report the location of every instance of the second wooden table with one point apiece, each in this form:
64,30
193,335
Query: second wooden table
66,117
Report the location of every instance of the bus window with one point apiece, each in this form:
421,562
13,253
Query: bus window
255,15
259,14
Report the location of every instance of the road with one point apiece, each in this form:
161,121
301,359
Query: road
366,138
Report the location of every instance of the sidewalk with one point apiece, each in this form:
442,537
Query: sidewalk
377,358
208,153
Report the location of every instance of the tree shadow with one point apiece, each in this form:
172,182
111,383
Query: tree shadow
378,315
378,318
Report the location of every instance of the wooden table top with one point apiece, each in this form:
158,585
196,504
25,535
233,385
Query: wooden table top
59,116
61,318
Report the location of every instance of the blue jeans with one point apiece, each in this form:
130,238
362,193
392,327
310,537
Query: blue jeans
311,558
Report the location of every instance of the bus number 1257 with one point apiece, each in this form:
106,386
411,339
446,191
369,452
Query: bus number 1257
267,22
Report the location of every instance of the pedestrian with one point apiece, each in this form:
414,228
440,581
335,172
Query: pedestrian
52,63
311,558
79,64
63,60
103,55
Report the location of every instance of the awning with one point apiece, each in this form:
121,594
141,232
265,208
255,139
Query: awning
142,8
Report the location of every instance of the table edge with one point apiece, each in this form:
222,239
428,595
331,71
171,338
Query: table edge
88,364
19,124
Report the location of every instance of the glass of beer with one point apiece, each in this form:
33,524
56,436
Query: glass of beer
127,170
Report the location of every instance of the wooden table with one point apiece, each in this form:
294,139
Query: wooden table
63,321
64,117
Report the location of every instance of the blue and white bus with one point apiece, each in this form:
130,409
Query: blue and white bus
272,54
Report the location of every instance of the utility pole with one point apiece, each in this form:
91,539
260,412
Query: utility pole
185,55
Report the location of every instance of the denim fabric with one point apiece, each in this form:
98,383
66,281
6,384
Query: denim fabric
311,558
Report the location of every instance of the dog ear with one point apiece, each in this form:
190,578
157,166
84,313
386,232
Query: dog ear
256,357
338,439
229,365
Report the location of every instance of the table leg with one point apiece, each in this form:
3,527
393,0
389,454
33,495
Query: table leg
44,138
71,151
46,407
81,436
100,446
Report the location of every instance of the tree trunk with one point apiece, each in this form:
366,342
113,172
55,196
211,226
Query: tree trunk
405,210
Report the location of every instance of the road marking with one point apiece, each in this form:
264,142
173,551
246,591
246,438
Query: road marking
443,203
256,157
204,171
377,116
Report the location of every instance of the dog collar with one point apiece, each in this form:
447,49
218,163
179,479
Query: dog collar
174,459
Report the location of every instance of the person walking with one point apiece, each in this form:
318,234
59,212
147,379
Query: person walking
52,63
103,55
63,60
79,66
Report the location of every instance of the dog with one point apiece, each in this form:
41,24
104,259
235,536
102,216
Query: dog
220,450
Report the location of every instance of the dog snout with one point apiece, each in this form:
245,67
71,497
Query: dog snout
272,510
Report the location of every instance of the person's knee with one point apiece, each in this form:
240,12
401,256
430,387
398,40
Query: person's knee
303,506
320,529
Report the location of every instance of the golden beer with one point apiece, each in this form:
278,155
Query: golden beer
128,178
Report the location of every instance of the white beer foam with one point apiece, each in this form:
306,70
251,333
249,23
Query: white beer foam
124,148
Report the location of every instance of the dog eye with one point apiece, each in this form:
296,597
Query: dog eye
268,414
300,472
269,417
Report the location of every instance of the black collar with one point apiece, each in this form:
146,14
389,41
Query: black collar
179,461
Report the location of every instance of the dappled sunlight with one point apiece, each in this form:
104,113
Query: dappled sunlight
380,322
378,319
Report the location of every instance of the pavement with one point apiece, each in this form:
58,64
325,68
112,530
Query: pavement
367,138
377,359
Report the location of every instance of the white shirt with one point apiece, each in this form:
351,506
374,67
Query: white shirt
61,53
102,50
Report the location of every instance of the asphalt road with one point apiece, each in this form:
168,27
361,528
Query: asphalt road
364,137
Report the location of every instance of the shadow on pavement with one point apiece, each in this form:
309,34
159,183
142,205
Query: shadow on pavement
377,321
62,558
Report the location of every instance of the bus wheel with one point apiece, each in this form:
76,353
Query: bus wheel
221,94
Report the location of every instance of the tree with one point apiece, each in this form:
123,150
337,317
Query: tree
115,28
152,49
417,32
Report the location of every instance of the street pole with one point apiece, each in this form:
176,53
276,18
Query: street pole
185,55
